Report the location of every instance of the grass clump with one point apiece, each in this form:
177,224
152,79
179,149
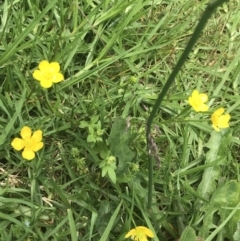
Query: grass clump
90,179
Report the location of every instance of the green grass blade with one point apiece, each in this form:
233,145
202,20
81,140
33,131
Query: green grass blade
4,216
72,225
16,115
12,48
110,224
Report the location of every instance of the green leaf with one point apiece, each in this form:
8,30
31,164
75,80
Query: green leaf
226,198
236,235
112,174
208,221
119,139
227,195
136,185
188,234
223,201
218,147
104,171
94,119
99,139
83,124
91,138
91,130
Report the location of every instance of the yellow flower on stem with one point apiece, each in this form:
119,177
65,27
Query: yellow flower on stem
29,143
197,100
219,120
48,73
140,233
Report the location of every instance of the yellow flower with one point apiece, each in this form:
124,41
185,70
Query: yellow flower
197,100
29,143
48,73
219,120
140,233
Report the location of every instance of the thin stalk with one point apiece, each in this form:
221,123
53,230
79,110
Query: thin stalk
211,7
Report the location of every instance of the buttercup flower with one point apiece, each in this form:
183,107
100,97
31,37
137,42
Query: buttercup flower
29,143
197,100
48,73
219,120
140,233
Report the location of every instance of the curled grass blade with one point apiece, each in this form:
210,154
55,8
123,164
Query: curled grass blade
195,36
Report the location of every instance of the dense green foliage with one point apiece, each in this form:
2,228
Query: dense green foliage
90,181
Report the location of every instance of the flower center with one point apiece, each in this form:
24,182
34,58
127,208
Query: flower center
48,76
140,235
198,101
30,143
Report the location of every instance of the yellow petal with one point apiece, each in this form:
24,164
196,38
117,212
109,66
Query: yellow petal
26,133
215,127
38,146
18,144
204,98
147,231
44,65
46,83
190,100
37,74
228,117
193,104
130,233
57,78
28,154
195,94
55,67
223,121
219,112
197,101
203,107
214,119
37,135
